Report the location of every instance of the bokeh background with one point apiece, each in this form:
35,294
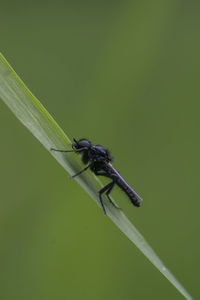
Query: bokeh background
124,74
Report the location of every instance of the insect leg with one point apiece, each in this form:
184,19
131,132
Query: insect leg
107,194
80,172
53,149
75,150
105,188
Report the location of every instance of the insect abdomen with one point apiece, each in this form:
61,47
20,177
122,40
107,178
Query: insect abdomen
129,192
122,184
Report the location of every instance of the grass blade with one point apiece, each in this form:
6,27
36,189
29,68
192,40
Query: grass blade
38,121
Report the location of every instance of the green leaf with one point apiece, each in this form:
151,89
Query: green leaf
34,116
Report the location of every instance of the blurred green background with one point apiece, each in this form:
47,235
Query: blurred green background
124,74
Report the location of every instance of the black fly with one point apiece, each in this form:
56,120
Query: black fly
98,160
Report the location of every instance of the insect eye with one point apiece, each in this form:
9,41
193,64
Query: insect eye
83,143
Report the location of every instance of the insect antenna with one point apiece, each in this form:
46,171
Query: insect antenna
75,140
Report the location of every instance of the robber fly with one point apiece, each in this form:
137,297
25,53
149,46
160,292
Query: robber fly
98,160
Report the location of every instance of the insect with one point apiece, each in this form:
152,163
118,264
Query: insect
98,161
